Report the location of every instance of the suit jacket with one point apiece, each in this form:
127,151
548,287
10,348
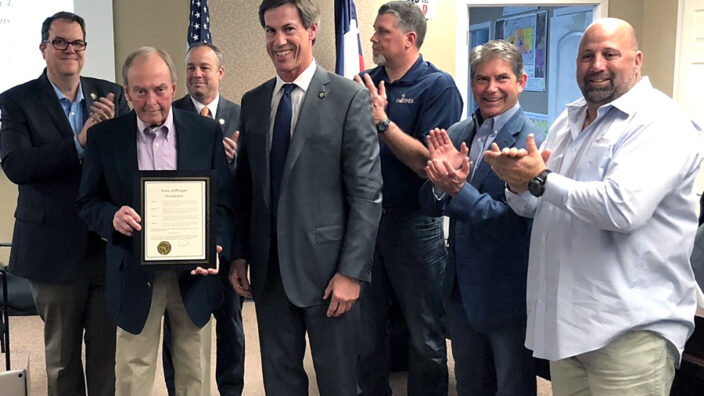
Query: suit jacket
330,200
38,154
488,255
228,113
107,184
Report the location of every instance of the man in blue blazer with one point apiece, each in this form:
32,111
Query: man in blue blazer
204,71
488,255
308,206
153,137
42,138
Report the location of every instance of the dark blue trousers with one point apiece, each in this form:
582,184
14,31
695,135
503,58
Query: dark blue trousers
494,362
409,264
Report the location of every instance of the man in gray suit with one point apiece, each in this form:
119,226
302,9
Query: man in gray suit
204,72
308,207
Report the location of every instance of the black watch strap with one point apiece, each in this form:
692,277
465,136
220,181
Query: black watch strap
536,185
382,126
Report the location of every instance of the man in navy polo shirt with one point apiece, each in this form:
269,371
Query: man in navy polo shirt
409,98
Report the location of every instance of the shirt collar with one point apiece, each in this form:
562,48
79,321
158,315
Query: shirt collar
627,103
212,106
168,125
302,81
60,95
499,120
414,73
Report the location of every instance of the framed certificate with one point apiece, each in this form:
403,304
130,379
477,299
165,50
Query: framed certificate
177,223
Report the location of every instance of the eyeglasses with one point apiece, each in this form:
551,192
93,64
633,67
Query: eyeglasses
61,44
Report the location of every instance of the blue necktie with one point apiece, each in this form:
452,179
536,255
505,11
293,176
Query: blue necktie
279,146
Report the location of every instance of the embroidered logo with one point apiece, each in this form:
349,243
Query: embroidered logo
404,99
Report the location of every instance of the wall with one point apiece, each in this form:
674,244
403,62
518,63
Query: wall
236,30
658,43
159,23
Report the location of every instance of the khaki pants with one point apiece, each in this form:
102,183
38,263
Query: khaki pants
137,353
639,363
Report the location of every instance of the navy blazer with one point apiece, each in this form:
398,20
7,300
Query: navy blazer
228,113
488,254
38,154
107,184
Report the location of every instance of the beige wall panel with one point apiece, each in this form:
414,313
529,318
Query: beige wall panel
159,23
630,11
659,42
8,202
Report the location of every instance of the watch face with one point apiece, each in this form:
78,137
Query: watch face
535,187
382,126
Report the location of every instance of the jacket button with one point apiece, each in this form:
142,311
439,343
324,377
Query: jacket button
149,284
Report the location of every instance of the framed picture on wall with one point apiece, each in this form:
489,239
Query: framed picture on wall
529,33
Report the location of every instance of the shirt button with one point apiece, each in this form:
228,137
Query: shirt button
157,144
73,113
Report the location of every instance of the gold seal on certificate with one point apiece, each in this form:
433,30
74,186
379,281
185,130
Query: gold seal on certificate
175,209
163,248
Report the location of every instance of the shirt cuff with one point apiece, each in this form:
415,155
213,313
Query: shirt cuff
524,204
557,188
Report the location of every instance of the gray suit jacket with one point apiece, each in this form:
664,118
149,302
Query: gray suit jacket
330,202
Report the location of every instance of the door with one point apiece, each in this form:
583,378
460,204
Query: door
566,28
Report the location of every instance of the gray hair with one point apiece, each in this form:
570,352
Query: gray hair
409,18
211,46
501,49
307,10
144,52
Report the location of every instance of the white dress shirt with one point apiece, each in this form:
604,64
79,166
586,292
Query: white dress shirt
212,106
614,230
297,95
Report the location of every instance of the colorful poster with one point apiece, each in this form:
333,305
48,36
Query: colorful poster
540,121
529,33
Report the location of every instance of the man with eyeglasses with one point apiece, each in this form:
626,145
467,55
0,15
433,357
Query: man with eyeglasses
44,128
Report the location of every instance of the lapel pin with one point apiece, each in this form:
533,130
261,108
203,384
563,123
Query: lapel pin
321,94
93,96
221,121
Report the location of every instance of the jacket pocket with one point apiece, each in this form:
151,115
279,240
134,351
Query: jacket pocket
329,234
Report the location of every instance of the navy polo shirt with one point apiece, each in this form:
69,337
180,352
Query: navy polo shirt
423,99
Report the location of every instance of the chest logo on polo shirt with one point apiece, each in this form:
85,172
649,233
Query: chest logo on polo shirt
404,99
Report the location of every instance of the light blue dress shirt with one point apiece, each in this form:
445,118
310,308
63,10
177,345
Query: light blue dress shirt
613,232
486,134
481,141
74,113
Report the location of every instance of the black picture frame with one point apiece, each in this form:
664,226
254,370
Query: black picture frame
208,177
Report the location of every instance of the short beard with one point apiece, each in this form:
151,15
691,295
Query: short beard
379,60
598,96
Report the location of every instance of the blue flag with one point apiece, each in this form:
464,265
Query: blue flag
199,23
349,48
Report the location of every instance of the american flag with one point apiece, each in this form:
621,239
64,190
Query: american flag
199,23
349,48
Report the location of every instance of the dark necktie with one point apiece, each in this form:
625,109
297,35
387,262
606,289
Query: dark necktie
279,146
